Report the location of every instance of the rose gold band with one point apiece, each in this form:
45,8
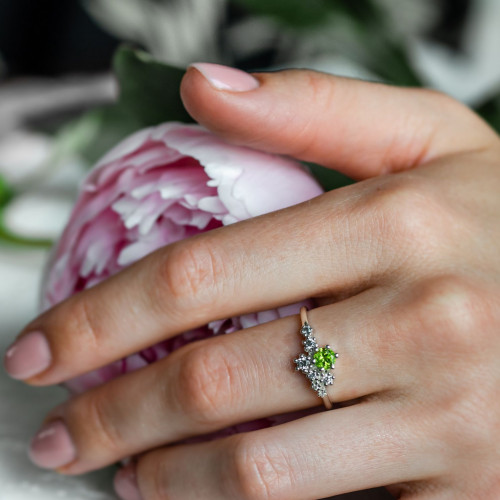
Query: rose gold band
303,318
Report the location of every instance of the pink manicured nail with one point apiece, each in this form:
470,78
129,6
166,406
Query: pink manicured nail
126,484
28,356
52,446
225,78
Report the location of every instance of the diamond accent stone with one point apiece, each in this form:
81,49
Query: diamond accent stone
316,363
306,330
303,363
310,345
316,385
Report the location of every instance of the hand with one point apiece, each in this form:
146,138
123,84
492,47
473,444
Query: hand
404,263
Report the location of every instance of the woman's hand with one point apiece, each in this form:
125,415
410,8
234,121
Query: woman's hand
404,263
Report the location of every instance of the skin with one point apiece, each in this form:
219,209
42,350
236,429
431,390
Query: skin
404,265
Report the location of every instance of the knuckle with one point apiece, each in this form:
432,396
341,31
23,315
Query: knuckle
450,308
81,324
456,319
192,271
95,413
322,87
468,417
207,380
450,110
321,91
444,102
407,211
154,473
405,207
261,472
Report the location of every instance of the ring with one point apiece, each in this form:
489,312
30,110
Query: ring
317,363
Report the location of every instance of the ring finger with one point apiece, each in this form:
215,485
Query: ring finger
211,384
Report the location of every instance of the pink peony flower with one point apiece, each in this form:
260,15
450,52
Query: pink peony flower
159,186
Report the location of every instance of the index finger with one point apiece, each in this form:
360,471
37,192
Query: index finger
361,129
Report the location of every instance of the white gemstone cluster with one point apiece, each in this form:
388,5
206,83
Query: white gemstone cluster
319,377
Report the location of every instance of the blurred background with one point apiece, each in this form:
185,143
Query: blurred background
55,72
55,65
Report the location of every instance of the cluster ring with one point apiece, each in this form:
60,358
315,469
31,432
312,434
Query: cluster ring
317,362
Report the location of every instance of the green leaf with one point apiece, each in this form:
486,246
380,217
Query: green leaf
149,95
364,11
94,134
310,13
6,235
6,192
149,89
10,238
490,111
328,178
389,60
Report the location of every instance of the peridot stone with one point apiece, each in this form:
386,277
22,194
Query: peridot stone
324,358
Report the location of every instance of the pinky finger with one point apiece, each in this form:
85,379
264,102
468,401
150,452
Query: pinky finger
325,454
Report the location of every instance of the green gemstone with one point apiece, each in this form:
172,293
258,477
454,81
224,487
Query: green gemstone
324,358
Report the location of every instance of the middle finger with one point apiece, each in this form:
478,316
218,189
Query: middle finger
246,267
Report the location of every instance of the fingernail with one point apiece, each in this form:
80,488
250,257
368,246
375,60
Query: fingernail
126,483
52,447
28,356
225,78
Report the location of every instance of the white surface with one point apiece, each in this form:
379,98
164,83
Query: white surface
23,408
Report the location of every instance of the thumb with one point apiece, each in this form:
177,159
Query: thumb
361,129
